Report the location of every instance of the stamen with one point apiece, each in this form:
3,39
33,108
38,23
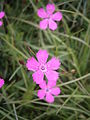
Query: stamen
43,68
47,90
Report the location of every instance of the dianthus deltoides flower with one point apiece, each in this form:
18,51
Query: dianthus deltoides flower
42,67
48,91
2,14
49,17
1,82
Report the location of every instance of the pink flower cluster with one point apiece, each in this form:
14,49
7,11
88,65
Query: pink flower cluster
2,14
42,68
49,17
1,82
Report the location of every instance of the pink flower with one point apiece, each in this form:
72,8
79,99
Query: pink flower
48,17
2,14
42,68
1,82
47,91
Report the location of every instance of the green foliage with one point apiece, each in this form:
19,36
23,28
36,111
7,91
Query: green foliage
21,38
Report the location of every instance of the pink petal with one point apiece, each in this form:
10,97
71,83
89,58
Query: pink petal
53,64
38,77
1,23
2,14
1,82
55,91
42,56
41,94
52,24
32,64
44,24
49,98
57,16
51,84
41,13
43,85
50,8
52,75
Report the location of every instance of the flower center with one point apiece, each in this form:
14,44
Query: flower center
43,68
47,90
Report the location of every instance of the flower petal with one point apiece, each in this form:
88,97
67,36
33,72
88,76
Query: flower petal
1,23
42,13
2,14
43,85
51,84
32,64
1,82
41,94
57,16
38,77
50,8
55,91
44,24
49,98
53,64
52,24
52,75
42,56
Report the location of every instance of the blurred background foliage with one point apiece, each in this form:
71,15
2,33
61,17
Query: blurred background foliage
20,38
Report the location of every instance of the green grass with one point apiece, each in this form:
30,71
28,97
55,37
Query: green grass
21,37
